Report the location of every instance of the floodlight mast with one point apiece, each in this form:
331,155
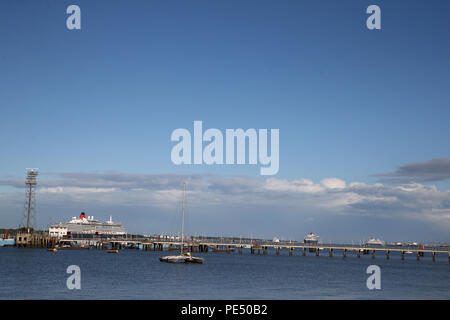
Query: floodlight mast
29,211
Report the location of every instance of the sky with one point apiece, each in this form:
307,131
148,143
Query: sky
362,114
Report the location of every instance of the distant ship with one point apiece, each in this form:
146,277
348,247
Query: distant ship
311,238
87,227
374,242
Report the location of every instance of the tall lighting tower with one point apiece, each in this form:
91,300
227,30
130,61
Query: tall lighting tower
29,209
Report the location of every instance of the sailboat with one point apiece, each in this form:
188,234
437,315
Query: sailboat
184,257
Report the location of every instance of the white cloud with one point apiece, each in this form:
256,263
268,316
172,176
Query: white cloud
75,190
301,186
333,183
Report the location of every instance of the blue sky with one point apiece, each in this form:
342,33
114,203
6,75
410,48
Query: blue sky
350,103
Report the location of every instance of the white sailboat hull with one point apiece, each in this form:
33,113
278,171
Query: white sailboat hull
181,259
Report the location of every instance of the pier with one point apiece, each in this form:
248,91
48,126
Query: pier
230,245
330,250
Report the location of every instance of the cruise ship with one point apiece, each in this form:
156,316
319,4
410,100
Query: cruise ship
87,227
311,238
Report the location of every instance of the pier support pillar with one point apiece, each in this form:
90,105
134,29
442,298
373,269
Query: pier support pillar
373,254
331,252
291,250
317,252
303,251
358,253
418,256
345,253
387,254
240,249
278,251
252,251
434,256
403,255
449,257
265,250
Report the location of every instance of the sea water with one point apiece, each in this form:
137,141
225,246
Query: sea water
136,274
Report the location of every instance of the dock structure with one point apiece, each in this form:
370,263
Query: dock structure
30,240
258,249
33,240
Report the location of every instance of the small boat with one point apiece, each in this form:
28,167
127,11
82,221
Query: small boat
184,257
113,251
52,249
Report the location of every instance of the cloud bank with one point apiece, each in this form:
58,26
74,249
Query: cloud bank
229,203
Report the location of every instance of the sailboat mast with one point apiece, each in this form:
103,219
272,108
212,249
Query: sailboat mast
182,219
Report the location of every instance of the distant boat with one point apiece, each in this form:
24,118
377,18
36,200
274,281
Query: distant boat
374,242
311,239
184,257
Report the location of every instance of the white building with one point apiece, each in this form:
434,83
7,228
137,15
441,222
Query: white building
57,230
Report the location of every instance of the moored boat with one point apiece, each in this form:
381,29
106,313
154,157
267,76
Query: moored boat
184,257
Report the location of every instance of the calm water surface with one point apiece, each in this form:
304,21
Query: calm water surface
132,274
